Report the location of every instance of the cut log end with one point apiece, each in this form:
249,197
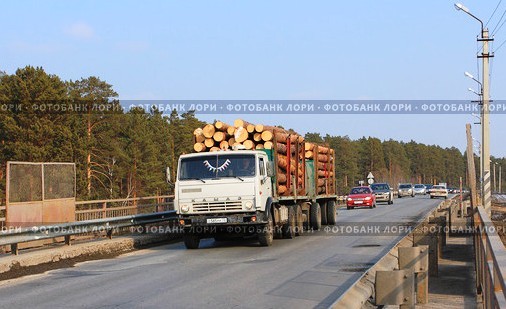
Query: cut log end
250,128
248,144
259,128
209,142
199,147
209,130
267,136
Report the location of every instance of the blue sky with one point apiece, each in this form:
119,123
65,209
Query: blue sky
272,50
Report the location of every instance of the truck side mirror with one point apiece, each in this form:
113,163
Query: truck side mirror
270,169
168,175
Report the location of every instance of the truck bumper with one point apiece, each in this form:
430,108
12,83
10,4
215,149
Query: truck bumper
222,219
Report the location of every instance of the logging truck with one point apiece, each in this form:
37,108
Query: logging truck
267,193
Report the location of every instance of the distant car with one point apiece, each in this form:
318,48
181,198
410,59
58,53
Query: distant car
438,191
383,192
405,189
428,186
361,196
420,189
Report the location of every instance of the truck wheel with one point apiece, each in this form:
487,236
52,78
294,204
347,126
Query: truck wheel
290,227
191,240
323,211
331,212
300,221
266,233
315,216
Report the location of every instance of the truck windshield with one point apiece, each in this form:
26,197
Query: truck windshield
217,166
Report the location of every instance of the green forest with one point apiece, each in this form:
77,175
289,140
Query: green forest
120,154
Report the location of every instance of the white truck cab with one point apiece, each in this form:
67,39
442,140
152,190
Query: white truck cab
223,187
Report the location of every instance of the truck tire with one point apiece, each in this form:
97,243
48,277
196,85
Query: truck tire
323,211
290,227
191,240
331,212
300,221
266,233
315,217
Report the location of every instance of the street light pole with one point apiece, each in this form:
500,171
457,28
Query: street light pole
485,123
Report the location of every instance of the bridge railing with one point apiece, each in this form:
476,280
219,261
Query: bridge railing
101,209
490,261
363,293
16,236
96,215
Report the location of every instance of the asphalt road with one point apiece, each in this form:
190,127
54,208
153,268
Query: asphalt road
309,271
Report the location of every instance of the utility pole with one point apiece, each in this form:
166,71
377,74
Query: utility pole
485,123
500,183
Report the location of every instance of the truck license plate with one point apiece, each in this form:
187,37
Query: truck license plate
217,220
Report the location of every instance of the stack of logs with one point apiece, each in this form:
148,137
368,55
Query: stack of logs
323,158
221,136
291,152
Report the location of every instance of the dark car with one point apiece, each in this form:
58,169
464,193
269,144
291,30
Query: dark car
361,196
383,192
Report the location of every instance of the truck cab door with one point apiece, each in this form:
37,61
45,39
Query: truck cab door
265,187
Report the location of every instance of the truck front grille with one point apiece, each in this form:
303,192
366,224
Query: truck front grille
217,206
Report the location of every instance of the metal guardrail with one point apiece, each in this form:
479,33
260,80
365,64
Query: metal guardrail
359,293
20,235
490,261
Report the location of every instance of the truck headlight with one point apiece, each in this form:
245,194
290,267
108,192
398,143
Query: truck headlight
185,208
248,205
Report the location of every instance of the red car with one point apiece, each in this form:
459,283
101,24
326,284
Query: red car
361,196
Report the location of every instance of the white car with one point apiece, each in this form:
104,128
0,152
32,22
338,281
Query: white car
420,189
438,191
405,189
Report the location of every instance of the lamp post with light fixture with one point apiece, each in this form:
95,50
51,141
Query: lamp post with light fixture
485,122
